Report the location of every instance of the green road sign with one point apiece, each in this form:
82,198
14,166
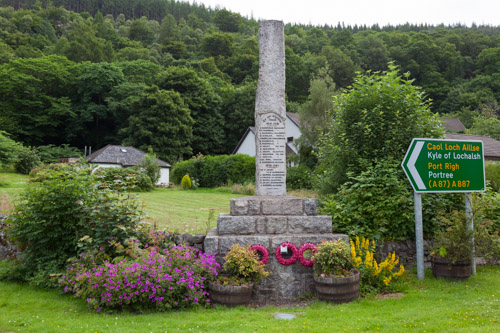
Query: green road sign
434,165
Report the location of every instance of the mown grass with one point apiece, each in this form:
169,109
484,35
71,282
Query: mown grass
172,209
185,210
432,305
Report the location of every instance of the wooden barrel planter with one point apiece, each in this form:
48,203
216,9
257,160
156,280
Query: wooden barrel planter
338,289
230,295
445,268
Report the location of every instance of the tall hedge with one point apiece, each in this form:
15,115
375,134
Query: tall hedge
212,171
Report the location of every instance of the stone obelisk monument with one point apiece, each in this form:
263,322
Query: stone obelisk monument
271,217
270,112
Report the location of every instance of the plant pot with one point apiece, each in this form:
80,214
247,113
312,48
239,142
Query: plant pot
445,268
230,295
338,289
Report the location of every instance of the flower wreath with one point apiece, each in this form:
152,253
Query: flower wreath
290,260
262,250
302,249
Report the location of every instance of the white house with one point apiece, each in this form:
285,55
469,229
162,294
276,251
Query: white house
246,145
113,156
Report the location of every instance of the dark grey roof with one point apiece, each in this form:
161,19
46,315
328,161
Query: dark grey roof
452,124
124,155
491,146
294,117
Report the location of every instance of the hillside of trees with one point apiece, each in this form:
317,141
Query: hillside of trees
181,77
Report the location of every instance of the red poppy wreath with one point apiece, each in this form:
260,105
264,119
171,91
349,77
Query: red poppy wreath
290,260
262,250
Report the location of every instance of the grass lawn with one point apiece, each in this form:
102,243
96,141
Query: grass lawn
432,305
185,211
169,208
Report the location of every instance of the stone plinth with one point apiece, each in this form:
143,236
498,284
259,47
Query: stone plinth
270,221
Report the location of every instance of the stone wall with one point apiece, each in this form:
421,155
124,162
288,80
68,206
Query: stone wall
406,251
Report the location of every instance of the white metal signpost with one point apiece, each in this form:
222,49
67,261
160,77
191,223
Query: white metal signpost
437,166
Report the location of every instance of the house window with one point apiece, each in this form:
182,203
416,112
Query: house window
289,139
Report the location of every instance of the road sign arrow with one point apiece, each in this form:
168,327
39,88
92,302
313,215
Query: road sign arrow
440,165
411,165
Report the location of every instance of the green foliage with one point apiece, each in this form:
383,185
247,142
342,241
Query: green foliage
204,105
486,126
27,160
9,150
242,266
375,203
211,60
172,139
36,106
379,203
212,171
314,117
150,164
298,178
125,179
455,240
51,153
375,119
227,21
186,182
492,170
333,258
53,214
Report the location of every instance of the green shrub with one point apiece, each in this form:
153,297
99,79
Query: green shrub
125,179
53,215
298,178
150,164
379,205
493,175
242,266
52,154
9,149
27,160
212,171
186,182
332,258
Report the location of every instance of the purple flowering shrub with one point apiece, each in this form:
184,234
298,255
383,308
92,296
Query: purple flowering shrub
171,279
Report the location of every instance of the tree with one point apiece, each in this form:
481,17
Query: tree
342,68
227,21
141,31
9,150
97,124
217,44
35,103
82,44
204,104
489,60
375,120
314,117
238,110
487,126
160,120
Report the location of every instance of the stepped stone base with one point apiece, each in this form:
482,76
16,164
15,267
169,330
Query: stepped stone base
270,221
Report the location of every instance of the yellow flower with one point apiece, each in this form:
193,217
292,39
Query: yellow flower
357,261
387,280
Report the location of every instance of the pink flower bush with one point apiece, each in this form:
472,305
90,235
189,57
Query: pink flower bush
175,278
